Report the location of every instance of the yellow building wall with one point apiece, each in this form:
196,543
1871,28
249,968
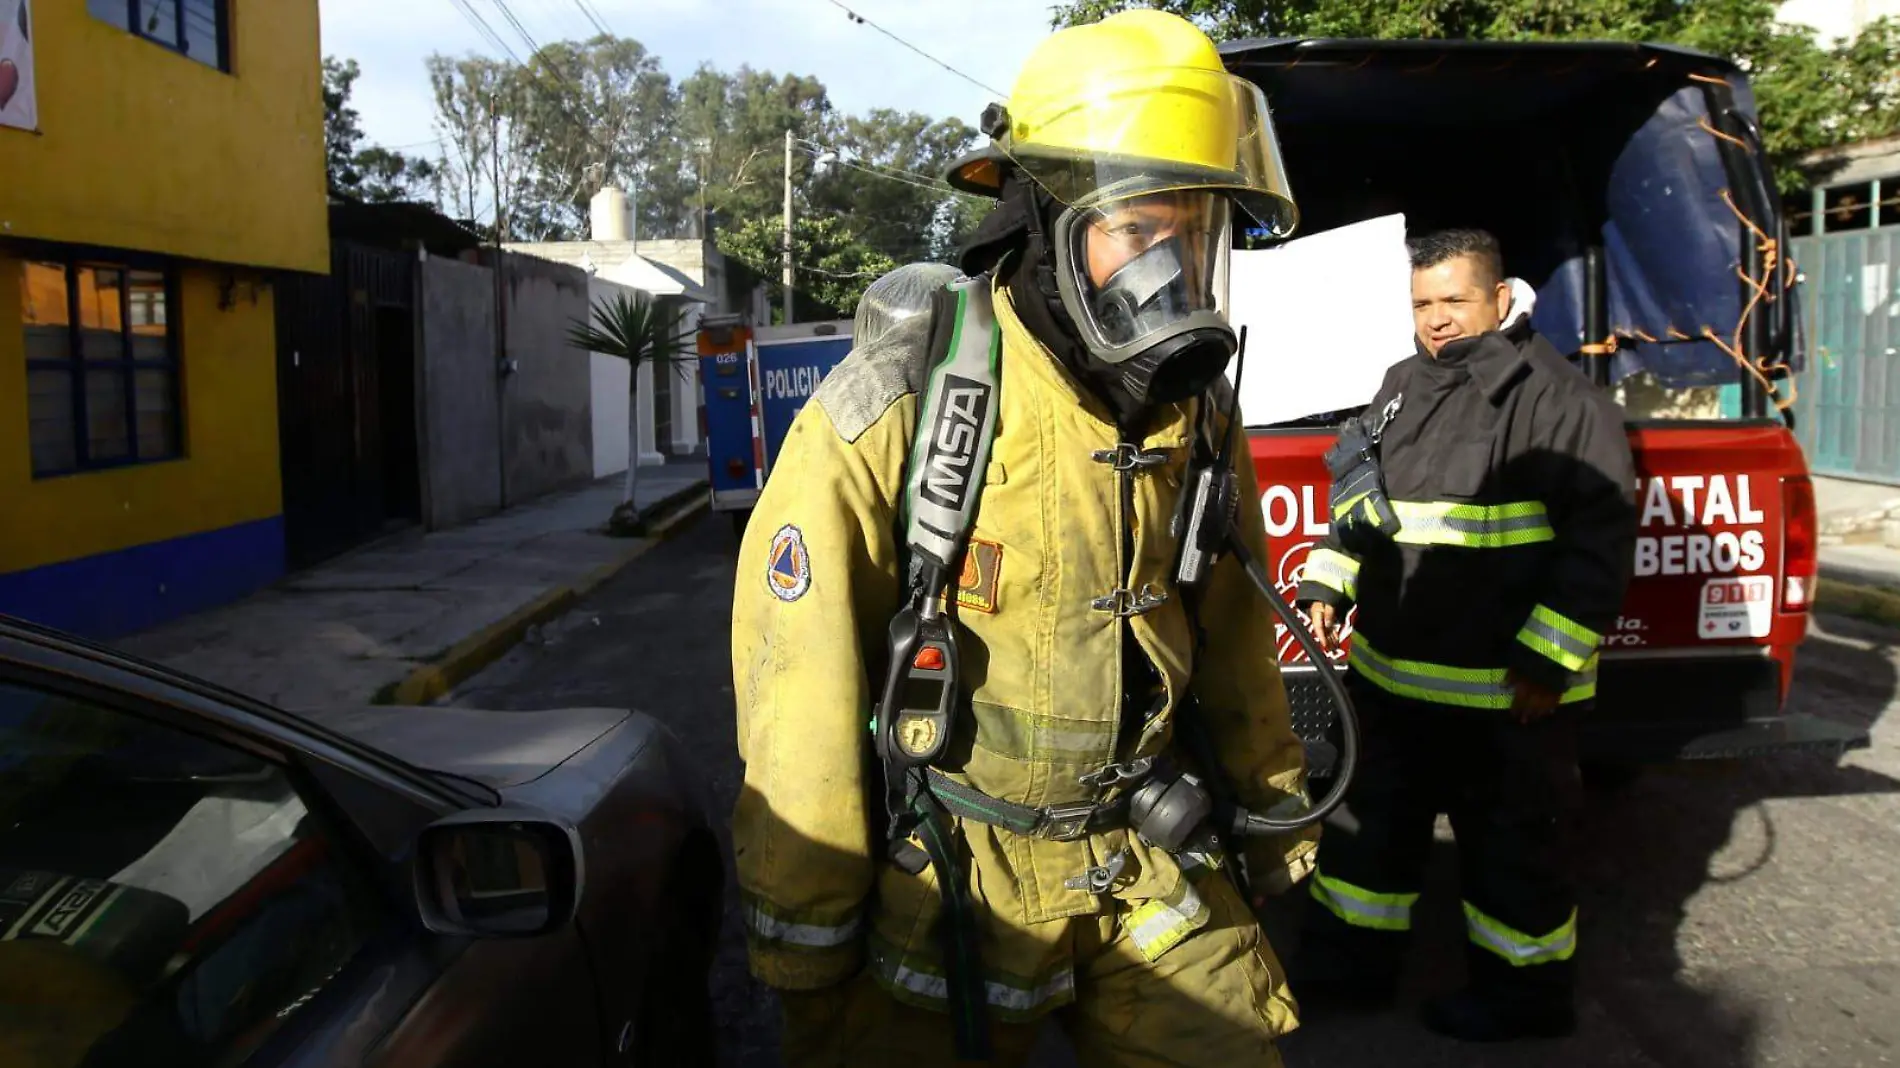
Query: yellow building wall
227,475
141,148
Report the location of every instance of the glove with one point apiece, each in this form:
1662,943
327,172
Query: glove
1362,514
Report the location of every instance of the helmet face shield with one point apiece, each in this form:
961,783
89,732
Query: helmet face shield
1136,271
1116,133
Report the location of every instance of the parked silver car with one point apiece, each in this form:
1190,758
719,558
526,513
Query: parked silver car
190,877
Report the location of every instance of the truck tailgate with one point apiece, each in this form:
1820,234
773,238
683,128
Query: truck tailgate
1699,663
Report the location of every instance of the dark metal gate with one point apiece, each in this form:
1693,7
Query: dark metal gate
346,401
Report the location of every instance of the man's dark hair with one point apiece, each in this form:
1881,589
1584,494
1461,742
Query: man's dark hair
1430,250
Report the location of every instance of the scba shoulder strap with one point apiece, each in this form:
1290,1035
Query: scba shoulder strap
949,454
956,424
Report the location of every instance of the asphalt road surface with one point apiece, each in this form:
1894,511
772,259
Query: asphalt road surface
1733,915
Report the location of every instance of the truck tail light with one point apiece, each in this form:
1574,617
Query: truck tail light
736,467
1798,544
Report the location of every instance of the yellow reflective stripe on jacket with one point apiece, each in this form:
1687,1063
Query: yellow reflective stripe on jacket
917,981
1361,907
1560,638
1333,570
1472,526
1516,946
1159,925
807,931
1443,684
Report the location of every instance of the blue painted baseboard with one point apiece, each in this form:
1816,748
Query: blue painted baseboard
118,593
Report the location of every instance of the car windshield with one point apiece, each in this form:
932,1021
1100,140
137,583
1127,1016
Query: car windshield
162,896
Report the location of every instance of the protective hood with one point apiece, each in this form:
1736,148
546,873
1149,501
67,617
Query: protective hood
1013,240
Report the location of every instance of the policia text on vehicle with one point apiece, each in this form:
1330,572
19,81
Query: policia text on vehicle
967,865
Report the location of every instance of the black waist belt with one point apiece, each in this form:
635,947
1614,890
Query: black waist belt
1058,823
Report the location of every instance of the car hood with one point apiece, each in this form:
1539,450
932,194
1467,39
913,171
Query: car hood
499,749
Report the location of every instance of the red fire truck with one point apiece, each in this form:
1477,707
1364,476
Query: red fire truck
1627,183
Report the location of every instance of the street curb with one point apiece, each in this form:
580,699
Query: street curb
463,659
1869,603
662,512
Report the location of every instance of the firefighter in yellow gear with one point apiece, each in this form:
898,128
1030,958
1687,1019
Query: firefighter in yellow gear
1116,164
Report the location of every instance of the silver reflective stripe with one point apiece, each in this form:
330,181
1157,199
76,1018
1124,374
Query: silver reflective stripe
1161,925
955,428
1333,570
1472,525
1445,684
773,929
1007,998
1576,652
1519,948
1393,912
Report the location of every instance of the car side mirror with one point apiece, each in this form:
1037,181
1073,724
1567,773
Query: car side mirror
497,873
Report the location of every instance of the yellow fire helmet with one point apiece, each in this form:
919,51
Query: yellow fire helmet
1137,103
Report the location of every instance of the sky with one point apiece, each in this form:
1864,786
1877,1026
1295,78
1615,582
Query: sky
860,67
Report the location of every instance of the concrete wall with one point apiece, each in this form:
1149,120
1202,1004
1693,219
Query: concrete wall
547,427
461,438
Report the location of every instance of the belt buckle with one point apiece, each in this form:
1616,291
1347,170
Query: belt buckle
1067,822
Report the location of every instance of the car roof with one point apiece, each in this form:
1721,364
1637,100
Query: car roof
58,642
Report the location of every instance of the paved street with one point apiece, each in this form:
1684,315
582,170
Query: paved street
1735,916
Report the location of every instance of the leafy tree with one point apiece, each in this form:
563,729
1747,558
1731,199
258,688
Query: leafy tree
832,265
732,142
374,174
596,112
485,173
1812,96
532,143
889,178
638,329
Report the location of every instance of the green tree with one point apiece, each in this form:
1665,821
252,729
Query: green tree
595,112
731,143
1811,96
485,174
888,179
638,329
832,264
375,174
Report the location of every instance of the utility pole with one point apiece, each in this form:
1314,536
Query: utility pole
501,306
788,227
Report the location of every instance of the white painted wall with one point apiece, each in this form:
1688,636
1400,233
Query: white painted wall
686,398
610,414
610,399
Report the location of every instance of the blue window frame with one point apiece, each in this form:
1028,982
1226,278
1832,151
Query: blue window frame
101,365
198,29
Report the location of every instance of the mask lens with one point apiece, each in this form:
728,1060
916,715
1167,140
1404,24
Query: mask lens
1148,262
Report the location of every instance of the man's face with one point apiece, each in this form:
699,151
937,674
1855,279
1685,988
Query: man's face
1453,300
1128,228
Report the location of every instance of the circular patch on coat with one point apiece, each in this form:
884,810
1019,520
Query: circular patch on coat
788,567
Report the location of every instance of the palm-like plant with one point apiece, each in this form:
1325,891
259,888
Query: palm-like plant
638,329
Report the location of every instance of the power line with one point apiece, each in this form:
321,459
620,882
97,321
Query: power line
482,28
914,179
862,21
593,16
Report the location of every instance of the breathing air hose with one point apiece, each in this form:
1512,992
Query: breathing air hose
1253,824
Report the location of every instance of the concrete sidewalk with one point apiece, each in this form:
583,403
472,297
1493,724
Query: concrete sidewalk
403,620
1851,511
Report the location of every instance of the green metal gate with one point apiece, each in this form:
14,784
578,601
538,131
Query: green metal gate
1847,414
